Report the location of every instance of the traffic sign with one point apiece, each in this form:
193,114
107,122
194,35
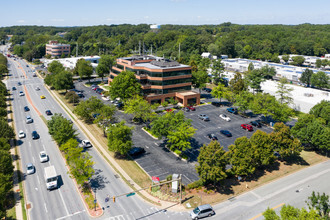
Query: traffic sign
94,200
130,194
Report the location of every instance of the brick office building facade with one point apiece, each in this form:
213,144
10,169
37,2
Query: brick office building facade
55,49
160,79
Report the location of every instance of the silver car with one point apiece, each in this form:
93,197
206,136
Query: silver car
30,169
202,211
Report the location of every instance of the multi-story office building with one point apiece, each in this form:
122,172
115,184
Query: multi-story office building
160,79
56,50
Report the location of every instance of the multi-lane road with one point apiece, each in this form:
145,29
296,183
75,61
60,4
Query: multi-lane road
65,202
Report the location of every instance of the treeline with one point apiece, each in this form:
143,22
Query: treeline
264,42
6,162
3,65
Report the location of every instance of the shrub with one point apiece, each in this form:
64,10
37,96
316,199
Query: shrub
169,177
196,184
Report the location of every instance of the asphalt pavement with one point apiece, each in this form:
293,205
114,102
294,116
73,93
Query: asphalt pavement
65,202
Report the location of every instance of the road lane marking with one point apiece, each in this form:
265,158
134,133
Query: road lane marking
30,144
67,216
255,194
259,215
66,209
45,207
38,179
34,161
30,101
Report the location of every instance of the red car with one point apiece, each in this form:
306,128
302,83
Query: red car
169,110
191,108
247,127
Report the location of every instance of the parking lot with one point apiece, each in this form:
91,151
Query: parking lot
159,161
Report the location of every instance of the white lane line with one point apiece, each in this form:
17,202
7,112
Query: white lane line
43,146
156,144
66,209
38,179
67,216
45,207
147,146
34,161
30,144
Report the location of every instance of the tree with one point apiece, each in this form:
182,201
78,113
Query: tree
106,117
320,203
6,131
283,142
199,79
125,86
254,79
298,60
86,109
105,65
217,71
84,68
285,58
55,67
6,185
237,84
290,212
212,161
268,72
318,63
219,92
180,137
82,167
63,80
312,132
306,76
283,91
3,69
4,144
242,157
322,110
262,145
61,129
140,108
6,162
120,138
320,80
72,97
243,100
324,63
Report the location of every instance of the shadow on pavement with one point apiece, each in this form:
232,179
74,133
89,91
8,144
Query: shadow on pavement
98,181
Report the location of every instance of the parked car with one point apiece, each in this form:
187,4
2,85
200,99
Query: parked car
21,134
43,157
212,137
29,119
86,144
224,117
35,135
186,109
247,127
19,83
37,88
203,117
21,93
226,133
30,169
26,109
14,88
207,90
80,95
256,124
169,110
42,97
191,108
232,110
202,211
217,104
48,112
135,151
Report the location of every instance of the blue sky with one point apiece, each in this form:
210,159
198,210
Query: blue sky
193,12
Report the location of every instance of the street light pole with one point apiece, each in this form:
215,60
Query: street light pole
95,199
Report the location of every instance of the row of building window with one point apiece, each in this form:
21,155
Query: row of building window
166,91
164,83
155,74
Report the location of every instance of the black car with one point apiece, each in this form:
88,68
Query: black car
212,137
14,88
207,90
217,104
19,83
135,151
256,124
232,110
26,109
48,112
80,95
226,133
35,135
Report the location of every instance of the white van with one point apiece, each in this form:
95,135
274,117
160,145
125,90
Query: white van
202,211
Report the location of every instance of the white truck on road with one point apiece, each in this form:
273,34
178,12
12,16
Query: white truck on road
51,177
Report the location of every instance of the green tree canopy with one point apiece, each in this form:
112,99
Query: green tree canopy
179,139
322,110
237,84
6,131
306,76
125,86
320,80
140,108
319,203
284,92
120,138
220,91
61,129
199,79
86,109
63,80
55,67
212,161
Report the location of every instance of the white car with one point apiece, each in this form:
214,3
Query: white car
30,169
21,93
21,134
43,157
106,98
86,143
224,117
37,88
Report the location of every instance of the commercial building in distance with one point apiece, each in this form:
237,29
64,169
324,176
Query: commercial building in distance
70,63
160,79
55,49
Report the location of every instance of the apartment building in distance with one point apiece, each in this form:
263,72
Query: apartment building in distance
56,49
160,79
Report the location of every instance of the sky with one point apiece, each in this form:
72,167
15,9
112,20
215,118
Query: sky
185,12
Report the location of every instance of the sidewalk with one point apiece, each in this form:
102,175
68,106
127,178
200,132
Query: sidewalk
162,204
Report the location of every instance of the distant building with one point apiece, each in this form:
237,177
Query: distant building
9,37
160,79
155,26
70,63
61,34
55,49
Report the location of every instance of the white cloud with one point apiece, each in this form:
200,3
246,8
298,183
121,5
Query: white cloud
146,17
178,0
21,21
